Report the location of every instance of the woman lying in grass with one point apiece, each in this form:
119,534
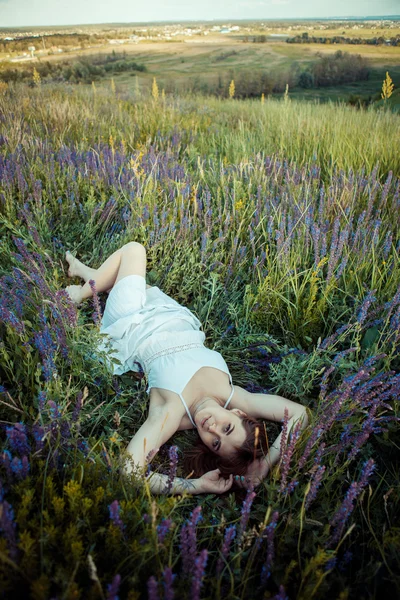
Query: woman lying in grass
190,385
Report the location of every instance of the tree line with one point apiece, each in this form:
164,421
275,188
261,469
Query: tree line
339,39
86,69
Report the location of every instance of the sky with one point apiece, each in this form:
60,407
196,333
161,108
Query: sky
20,13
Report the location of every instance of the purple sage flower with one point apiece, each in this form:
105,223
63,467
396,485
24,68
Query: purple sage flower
230,534
173,456
269,533
96,302
188,545
17,439
342,514
168,580
114,509
152,588
112,588
163,529
362,313
246,511
198,574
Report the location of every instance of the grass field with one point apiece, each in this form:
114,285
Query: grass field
199,59
277,224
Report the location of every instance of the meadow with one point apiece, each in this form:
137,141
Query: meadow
277,223
205,64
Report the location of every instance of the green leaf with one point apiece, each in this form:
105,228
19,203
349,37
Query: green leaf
370,337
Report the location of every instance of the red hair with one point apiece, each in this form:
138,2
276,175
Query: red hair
199,459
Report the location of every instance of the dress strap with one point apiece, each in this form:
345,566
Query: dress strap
232,392
188,411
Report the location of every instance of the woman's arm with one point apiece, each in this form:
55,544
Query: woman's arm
158,485
271,407
265,406
158,428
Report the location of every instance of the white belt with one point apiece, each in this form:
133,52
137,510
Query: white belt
167,351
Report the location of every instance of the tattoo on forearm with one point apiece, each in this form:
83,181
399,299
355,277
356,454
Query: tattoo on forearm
159,483
185,483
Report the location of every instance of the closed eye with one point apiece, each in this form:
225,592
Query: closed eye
227,433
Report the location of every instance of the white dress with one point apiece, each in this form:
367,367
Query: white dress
148,327
134,313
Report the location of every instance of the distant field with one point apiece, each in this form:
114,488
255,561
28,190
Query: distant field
204,59
183,61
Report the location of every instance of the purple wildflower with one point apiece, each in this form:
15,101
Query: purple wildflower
269,533
246,511
189,540
152,588
38,433
42,400
54,409
315,483
230,534
163,529
284,431
8,317
315,234
173,455
198,574
387,244
20,467
70,310
112,588
323,245
340,355
168,580
286,457
362,313
44,342
342,514
96,302
327,342
114,509
83,446
17,438
334,243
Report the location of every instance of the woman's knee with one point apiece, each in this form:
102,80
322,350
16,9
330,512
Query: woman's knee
134,247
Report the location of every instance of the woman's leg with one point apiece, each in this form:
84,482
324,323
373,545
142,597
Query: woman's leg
128,260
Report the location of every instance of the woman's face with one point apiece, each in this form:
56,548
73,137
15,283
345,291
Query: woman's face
220,429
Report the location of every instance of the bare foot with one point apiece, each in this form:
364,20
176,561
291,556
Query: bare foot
75,265
75,293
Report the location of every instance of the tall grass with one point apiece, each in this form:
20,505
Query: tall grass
277,224
334,137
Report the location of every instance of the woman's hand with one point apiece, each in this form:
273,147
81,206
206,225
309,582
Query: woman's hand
255,473
212,482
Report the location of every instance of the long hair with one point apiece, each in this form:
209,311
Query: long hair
199,459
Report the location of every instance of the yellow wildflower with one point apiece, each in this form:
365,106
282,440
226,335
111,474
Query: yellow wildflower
239,205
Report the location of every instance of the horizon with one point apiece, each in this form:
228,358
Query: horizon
222,20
